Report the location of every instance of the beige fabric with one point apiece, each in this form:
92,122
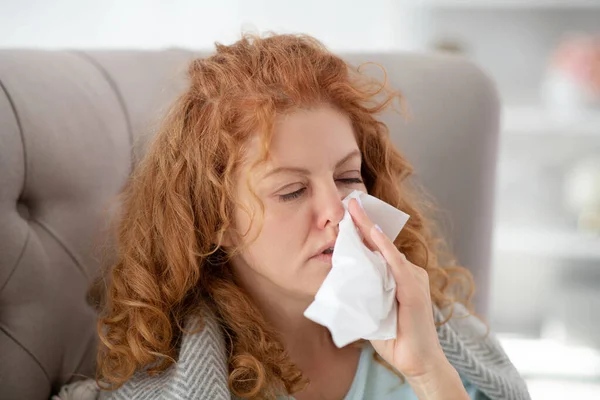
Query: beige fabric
68,124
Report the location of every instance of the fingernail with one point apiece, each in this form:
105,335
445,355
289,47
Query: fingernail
378,228
359,202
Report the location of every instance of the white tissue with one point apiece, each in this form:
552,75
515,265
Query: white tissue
357,299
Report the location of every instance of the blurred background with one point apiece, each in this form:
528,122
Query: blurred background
545,57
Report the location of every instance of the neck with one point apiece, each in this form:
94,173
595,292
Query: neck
302,338
310,347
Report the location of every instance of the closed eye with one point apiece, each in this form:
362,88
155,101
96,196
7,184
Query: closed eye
293,195
299,192
350,181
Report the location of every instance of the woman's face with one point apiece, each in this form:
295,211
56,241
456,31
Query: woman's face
314,162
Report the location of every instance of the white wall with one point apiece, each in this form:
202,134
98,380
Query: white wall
514,44
376,25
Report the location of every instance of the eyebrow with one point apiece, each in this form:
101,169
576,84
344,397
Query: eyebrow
348,157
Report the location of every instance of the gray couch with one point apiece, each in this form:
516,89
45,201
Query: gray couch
72,125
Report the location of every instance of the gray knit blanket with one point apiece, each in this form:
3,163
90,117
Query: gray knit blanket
201,371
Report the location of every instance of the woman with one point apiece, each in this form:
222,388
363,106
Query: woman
224,236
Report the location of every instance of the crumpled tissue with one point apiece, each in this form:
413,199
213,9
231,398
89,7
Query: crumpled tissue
357,299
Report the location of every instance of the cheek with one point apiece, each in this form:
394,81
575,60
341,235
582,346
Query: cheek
281,239
286,230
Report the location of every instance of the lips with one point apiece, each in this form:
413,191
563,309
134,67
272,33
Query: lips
326,248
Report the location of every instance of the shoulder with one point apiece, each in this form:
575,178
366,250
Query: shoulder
199,373
478,356
461,321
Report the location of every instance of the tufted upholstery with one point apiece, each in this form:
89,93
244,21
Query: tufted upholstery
73,123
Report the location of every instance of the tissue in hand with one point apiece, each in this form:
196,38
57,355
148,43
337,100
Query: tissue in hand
357,299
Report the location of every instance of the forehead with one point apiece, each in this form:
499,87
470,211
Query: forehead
310,139
309,133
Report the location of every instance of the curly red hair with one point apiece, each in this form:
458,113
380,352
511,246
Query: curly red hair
180,199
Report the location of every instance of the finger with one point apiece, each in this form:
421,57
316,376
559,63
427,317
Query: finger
421,274
402,269
399,265
362,222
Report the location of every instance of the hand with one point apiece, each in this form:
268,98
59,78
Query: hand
416,352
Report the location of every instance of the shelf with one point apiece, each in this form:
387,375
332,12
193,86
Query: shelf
547,242
539,121
513,4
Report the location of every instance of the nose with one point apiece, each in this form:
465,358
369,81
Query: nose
329,207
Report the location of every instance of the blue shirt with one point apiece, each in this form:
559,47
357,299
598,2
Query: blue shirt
374,381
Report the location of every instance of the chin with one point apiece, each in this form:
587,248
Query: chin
315,284
309,281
